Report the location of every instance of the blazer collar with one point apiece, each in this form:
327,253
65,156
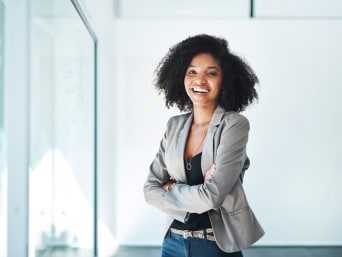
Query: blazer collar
217,116
215,120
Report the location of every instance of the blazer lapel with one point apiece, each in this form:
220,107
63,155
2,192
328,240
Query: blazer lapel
183,135
208,153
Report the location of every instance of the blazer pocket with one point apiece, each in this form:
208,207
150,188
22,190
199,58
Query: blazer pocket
235,212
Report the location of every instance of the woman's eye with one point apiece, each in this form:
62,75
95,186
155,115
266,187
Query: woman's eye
212,73
191,72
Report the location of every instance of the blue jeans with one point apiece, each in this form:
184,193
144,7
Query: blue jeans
175,245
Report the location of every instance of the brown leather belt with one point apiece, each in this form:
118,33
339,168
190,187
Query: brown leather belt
203,234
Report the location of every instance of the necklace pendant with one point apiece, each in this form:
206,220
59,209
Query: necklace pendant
188,165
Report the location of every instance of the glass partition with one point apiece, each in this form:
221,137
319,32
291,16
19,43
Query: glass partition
62,148
3,190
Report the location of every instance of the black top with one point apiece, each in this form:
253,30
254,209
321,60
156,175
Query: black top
194,176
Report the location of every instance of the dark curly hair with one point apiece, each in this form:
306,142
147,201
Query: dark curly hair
238,81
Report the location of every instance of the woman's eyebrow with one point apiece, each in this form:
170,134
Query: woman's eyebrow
209,67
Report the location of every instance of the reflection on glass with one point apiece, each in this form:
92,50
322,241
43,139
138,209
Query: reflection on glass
3,190
62,131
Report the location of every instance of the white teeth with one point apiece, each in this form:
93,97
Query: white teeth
200,90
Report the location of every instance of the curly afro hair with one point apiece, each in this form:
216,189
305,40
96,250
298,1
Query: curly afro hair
238,82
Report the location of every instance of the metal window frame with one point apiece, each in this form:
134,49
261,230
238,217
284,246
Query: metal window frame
86,21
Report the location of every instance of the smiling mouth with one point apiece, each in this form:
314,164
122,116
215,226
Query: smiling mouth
199,90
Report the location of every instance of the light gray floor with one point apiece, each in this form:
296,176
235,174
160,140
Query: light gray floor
251,252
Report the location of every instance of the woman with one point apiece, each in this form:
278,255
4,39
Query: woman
196,177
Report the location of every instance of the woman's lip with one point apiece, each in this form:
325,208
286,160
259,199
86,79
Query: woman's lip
199,90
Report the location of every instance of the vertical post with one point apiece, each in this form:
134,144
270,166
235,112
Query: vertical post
95,154
16,63
251,14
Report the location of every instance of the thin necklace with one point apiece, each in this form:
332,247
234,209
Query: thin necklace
188,165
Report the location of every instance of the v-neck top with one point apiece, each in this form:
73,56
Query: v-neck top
194,177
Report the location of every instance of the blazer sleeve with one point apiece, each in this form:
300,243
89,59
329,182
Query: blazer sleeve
158,175
230,158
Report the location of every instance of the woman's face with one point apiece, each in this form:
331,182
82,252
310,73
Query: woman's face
202,80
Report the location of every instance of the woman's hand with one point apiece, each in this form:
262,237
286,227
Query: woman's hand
210,172
168,185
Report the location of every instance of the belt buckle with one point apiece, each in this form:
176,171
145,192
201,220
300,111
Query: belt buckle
199,234
187,234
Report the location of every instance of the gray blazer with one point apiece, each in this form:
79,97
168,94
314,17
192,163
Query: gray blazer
234,224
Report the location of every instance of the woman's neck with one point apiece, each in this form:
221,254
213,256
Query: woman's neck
202,116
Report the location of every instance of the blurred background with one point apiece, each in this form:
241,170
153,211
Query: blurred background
80,120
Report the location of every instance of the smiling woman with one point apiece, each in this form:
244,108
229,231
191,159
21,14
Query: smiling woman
238,79
203,80
200,165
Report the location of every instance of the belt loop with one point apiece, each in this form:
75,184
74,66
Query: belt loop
205,234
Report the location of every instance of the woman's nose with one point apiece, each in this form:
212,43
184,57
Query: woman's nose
202,79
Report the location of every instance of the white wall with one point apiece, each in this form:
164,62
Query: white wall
295,146
294,8
177,8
